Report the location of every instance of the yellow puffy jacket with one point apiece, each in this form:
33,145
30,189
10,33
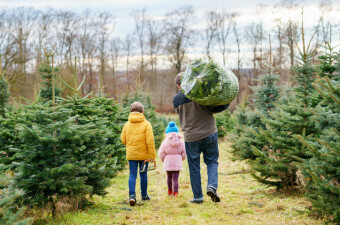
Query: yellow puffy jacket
138,137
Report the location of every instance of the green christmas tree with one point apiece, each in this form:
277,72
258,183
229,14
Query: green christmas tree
9,138
276,165
10,214
249,122
4,94
62,155
103,156
46,69
321,172
224,123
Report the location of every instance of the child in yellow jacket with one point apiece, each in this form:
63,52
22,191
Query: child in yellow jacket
138,137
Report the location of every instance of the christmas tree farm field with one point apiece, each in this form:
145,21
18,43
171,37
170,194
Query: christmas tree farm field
243,201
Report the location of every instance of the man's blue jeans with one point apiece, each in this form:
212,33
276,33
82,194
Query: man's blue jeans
209,147
133,176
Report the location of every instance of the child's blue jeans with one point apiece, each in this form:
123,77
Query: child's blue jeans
133,164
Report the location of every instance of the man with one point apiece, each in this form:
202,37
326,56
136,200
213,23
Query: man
200,134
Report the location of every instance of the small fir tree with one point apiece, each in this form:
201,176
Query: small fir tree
321,172
46,69
4,94
224,123
10,214
247,132
276,164
62,155
109,152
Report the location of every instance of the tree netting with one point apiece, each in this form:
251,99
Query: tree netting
207,83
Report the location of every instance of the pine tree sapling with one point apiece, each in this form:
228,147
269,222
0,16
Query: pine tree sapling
322,171
277,164
247,131
9,212
4,94
45,70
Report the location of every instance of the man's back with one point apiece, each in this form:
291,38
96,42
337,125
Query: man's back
197,121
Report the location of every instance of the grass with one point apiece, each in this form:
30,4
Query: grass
243,201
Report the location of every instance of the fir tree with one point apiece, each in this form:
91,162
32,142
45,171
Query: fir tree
103,156
10,214
224,123
247,131
9,138
61,155
4,94
46,69
321,172
276,164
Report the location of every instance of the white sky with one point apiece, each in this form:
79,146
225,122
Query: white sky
121,9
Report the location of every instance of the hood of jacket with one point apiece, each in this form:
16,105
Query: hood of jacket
136,117
173,139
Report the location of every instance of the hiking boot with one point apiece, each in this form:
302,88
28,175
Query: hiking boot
146,198
212,193
196,201
169,192
132,200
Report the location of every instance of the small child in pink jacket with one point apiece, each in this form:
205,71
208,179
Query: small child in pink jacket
172,153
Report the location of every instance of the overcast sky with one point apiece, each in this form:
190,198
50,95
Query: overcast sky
124,23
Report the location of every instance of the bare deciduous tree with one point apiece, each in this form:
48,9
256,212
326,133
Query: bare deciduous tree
127,50
178,33
140,31
155,35
225,23
103,23
210,31
115,53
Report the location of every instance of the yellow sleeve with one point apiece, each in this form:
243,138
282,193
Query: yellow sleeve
150,141
123,135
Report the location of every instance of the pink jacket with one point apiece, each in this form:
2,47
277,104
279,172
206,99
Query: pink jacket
172,152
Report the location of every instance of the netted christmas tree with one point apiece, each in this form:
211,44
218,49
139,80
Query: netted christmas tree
321,172
276,164
10,214
158,123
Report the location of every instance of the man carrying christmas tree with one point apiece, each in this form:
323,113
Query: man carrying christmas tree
200,134
138,137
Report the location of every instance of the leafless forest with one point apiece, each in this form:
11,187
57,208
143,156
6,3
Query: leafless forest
155,51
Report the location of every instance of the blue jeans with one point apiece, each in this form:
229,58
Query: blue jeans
209,147
133,176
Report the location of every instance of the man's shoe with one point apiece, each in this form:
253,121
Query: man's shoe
196,201
146,198
132,200
212,193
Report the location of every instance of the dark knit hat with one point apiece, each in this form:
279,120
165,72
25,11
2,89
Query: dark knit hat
171,127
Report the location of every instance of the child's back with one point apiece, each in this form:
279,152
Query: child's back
137,135
172,153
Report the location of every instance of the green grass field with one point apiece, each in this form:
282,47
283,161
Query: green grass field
243,201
